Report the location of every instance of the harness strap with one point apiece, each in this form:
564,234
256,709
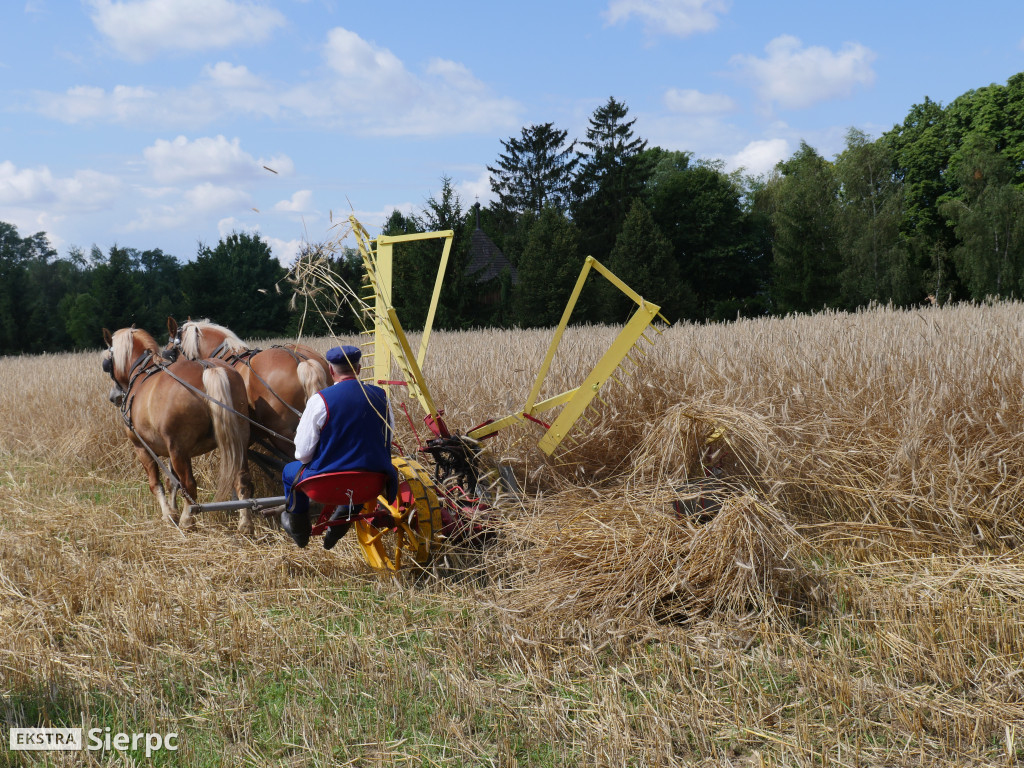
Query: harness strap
247,360
201,393
129,399
141,369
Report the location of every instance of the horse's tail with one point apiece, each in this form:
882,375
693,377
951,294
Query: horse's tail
312,377
230,430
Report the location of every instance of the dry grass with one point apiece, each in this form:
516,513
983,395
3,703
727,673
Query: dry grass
856,600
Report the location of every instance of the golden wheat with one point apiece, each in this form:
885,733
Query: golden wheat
856,600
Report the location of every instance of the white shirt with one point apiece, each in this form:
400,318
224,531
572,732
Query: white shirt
307,435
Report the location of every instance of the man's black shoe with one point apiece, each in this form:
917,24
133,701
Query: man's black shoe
297,526
334,532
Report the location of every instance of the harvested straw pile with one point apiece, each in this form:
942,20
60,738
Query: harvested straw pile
622,562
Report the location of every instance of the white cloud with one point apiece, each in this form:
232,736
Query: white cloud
366,71
233,76
184,208
32,187
796,77
706,134
367,90
374,220
286,251
417,104
300,202
759,157
142,29
230,224
206,158
691,102
207,196
83,103
673,17
472,190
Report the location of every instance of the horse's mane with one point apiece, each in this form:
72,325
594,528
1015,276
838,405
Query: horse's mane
192,333
123,345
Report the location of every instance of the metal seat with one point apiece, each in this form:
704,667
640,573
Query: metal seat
343,488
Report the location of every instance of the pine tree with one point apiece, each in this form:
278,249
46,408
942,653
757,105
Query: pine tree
643,259
548,267
534,171
807,261
613,170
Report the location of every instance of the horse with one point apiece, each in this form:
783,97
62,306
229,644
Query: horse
278,380
180,410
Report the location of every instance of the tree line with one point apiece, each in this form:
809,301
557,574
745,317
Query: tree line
49,303
930,210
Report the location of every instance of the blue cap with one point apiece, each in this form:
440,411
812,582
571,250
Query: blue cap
344,355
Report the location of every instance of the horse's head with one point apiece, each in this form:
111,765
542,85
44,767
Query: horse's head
174,331
198,339
127,350
108,363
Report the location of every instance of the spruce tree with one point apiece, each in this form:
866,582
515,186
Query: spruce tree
613,170
534,171
643,259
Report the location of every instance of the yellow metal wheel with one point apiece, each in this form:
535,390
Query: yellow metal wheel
414,533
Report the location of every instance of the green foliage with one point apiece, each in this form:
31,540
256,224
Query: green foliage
416,263
535,171
699,209
548,267
874,256
643,259
313,315
613,170
237,284
988,218
806,251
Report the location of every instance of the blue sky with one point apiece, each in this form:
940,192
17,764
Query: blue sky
151,123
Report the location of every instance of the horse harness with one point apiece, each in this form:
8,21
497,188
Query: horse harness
145,365
223,352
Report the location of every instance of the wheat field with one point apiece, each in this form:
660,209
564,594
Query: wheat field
854,600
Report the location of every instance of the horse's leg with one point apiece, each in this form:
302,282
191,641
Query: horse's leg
181,465
156,487
243,489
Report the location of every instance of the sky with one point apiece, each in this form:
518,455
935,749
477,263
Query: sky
172,123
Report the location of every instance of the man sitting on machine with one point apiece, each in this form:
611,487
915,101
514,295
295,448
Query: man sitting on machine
345,427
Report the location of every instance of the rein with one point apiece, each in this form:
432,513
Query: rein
140,369
225,406
221,353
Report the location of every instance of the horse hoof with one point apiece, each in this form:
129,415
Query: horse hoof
246,529
187,522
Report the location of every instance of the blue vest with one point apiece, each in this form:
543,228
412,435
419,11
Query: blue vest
355,435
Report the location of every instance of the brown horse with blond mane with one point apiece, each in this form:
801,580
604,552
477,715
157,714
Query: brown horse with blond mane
177,411
278,379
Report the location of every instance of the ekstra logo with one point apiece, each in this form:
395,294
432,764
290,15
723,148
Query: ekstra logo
46,739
